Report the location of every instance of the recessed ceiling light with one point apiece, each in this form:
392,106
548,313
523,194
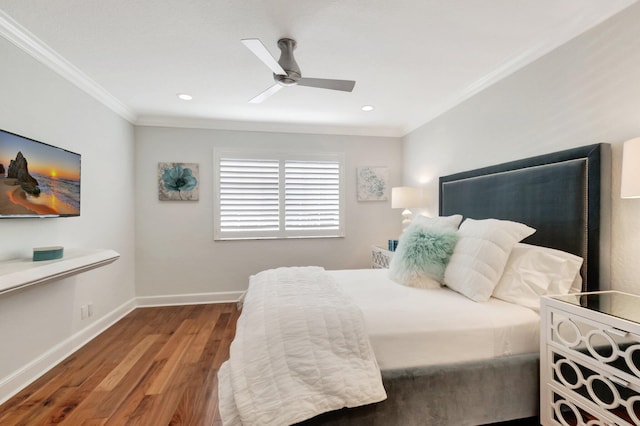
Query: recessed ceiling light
368,108
185,97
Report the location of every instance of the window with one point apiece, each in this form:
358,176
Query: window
277,195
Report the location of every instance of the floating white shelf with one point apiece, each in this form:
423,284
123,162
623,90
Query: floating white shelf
19,273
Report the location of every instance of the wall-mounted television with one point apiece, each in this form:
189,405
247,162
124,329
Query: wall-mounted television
37,179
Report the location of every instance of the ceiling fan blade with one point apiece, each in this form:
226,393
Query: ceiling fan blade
324,83
264,95
258,49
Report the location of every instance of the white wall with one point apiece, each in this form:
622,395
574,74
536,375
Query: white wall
175,250
39,104
587,91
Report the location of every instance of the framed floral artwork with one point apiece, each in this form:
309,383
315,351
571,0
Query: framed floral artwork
373,183
178,181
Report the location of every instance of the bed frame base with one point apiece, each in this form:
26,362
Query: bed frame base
449,395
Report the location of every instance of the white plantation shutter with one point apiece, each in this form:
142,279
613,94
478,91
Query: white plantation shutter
277,195
312,195
249,195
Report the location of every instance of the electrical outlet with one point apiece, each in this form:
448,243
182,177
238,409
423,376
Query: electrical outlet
90,309
84,312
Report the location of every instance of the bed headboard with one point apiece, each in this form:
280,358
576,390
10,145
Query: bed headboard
558,194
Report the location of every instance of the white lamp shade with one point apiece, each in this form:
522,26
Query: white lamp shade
405,197
630,177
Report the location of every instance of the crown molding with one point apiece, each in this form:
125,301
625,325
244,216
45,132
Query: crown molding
556,39
29,43
272,127
32,45
504,70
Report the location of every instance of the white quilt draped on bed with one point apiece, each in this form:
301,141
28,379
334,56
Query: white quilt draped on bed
300,349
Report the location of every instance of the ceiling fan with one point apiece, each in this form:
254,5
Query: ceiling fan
286,71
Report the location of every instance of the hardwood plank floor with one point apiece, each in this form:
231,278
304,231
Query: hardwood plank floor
156,366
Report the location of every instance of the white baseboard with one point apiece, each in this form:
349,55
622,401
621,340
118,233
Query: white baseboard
12,384
190,299
15,382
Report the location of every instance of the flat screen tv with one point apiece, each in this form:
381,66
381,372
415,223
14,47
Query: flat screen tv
37,179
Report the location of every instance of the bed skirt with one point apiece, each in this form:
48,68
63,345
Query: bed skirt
466,394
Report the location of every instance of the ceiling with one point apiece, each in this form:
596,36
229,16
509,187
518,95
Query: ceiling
411,59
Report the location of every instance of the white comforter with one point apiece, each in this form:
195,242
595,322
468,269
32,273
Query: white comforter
411,327
300,349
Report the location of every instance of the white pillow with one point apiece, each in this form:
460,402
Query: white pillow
450,223
481,254
533,271
576,287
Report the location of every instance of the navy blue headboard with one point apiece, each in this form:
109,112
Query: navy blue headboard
558,194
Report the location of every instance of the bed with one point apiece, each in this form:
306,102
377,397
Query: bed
485,374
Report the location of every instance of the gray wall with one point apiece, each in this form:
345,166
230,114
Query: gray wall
39,104
176,253
585,92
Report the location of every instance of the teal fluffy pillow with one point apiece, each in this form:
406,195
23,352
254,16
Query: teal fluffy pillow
422,256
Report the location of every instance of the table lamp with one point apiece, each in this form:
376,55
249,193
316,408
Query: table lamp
405,197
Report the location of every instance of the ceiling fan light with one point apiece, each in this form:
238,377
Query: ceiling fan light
184,96
367,108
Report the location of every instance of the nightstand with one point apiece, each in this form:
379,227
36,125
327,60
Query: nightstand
380,257
590,359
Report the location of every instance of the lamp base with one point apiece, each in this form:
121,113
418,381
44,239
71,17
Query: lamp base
407,217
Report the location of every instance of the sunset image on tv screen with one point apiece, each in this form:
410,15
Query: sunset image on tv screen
37,179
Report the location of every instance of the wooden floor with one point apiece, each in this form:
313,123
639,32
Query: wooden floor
156,366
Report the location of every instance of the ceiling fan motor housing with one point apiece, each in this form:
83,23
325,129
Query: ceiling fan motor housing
288,63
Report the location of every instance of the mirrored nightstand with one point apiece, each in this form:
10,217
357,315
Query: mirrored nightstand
590,359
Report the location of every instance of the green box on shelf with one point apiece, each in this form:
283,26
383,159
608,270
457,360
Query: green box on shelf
47,253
